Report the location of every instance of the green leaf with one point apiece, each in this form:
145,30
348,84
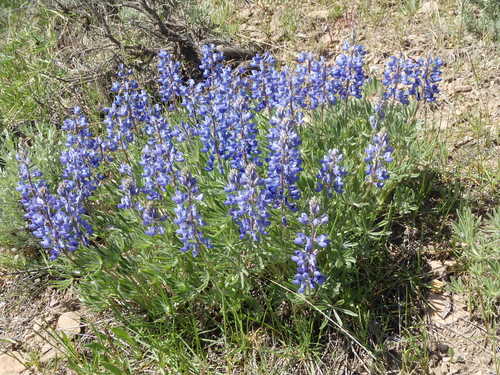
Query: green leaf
123,334
113,368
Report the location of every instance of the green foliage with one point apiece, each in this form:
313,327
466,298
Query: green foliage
175,305
482,17
479,244
26,48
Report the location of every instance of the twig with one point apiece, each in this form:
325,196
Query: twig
360,360
462,143
25,271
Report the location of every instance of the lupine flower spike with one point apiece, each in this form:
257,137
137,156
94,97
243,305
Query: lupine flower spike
56,221
378,154
247,195
330,176
187,216
405,78
308,274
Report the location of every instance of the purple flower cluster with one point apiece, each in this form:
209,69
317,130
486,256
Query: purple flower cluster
284,162
349,71
129,108
57,219
405,78
261,172
82,156
129,189
378,154
159,156
308,275
54,219
331,173
152,218
263,81
320,83
170,78
188,218
247,195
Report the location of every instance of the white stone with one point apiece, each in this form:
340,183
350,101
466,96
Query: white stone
69,323
11,366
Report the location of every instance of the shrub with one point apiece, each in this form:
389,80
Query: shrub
204,200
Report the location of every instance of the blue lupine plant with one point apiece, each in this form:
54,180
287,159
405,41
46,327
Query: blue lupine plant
82,155
188,218
129,190
331,174
170,79
129,108
349,71
58,219
405,78
318,80
220,115
285,161
263,81
378,154
308,274
53,218
160,156
152,219
214,106
250,207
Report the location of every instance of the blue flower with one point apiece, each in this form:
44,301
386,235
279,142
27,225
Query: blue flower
308,275
349,71
284,159
152,219
263,81
130,108
378,154
55,219
405,78
331,173
247,195
188,219
170,79
160,157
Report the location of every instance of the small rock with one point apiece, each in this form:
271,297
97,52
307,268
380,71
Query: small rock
442,347
11,366
462,89
319,14
69,323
